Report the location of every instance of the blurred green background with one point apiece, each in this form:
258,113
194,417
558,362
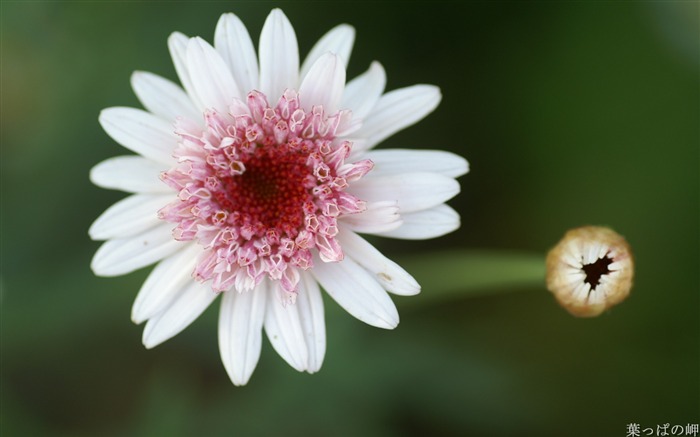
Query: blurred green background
570,113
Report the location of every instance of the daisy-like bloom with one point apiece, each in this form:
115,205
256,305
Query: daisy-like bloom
255,182
590,270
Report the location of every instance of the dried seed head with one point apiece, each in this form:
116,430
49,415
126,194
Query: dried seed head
590,270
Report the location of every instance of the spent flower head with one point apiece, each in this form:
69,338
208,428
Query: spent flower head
590,270
255,181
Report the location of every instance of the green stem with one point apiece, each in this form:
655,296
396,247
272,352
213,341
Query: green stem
467,273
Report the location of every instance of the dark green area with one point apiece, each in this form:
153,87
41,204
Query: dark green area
570,113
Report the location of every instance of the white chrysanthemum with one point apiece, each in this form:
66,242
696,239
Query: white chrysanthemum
254,183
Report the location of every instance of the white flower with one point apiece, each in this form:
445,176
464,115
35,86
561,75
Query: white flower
267,177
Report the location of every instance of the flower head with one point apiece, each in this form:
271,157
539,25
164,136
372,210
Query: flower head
590,270
267,177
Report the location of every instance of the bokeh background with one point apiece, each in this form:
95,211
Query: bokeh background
570,113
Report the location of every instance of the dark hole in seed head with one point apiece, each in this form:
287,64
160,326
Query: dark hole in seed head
596,270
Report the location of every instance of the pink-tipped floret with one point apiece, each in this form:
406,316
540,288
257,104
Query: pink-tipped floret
261,189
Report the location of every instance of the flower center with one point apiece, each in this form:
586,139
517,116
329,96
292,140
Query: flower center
596,270
261,189
270,192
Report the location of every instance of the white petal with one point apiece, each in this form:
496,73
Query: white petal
284,330
124,255
378,217
165,281
345,130
397,110
338,40
233,43
324,84
212,82
133,174
413,191
389,274
422,225
310,305
363,92
129,216
162,97
358,149
298,331
279,56
177,44
240,331
395,161
140,132
357,291
189,304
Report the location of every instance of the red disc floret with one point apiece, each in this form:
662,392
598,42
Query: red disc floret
269,193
